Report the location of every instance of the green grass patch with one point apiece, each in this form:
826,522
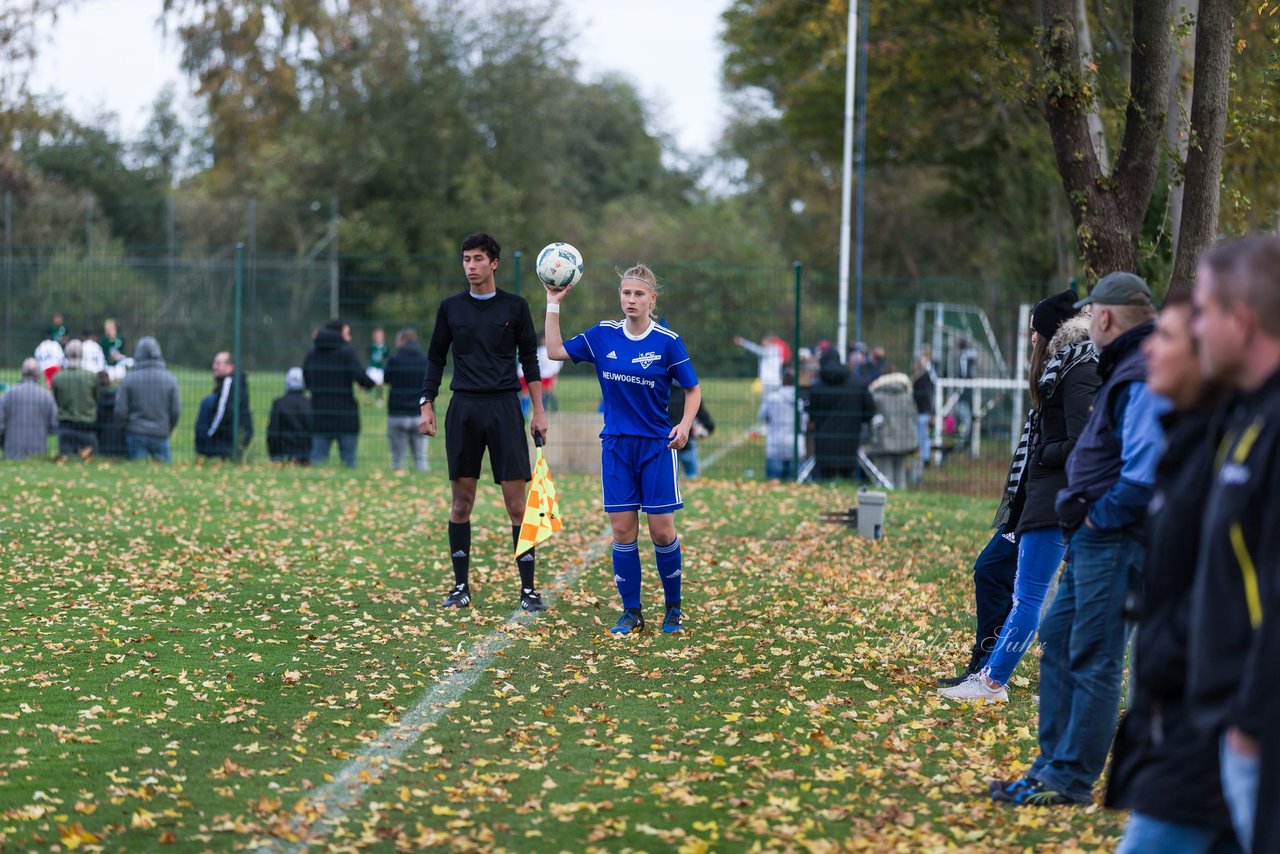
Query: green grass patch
188,654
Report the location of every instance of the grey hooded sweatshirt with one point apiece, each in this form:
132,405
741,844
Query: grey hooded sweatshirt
148,401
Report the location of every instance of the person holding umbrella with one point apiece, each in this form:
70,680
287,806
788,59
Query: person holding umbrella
636,361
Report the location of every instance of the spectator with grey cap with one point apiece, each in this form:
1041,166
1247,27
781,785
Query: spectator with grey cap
1110,474
28,415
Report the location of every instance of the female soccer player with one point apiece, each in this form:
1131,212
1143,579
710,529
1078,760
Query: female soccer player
636,361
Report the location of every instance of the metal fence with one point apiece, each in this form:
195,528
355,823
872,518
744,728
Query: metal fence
266,306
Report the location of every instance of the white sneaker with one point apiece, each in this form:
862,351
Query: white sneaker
976,688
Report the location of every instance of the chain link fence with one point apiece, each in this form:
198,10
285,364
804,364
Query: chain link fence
185,292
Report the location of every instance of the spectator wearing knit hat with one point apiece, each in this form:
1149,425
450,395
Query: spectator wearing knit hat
1064,378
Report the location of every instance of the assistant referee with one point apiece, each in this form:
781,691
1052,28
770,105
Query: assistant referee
486,329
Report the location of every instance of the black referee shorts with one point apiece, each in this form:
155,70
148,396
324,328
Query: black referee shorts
474,423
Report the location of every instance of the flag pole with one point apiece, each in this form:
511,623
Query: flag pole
846,178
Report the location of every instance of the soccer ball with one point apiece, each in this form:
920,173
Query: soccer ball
559,266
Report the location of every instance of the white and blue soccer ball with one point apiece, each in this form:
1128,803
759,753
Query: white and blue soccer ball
559,266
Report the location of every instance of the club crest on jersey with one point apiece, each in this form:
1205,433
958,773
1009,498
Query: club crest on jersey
644,360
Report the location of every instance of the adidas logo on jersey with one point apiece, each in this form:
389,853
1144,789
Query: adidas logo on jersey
459,553
612,354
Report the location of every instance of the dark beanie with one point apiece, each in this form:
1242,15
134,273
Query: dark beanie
1052,312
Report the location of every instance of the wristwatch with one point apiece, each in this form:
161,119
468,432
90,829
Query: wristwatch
423,401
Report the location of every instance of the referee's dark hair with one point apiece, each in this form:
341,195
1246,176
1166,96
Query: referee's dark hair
480,240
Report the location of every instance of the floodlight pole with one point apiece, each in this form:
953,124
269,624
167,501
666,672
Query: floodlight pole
846,173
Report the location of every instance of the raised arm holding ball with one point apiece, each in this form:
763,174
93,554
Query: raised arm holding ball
636,361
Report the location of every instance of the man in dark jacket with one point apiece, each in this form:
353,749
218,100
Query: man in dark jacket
289,427
76,391
403,375
1163,768
838,407
215,424
1109,477
703,426
1235,628
330,369
148,403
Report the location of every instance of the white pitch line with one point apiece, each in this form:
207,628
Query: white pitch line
332,801
735,443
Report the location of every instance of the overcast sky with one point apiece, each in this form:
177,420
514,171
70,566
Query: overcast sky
669,48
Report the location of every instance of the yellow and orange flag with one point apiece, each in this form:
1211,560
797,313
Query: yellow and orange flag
541,510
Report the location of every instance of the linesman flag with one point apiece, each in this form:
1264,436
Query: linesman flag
541,510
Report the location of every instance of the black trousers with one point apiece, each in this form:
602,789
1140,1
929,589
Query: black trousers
74,437
993,575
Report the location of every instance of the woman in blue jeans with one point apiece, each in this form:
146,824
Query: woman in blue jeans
1063,379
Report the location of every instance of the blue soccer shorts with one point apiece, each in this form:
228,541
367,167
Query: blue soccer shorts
639,474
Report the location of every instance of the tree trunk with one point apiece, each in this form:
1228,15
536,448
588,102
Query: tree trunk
1108,210
1096,131
1202,185
1177,129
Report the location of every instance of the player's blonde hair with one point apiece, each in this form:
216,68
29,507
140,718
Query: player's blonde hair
642,273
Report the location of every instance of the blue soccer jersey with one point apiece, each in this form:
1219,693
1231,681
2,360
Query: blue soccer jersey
635,375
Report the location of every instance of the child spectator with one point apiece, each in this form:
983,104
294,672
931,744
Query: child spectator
783,444
378,351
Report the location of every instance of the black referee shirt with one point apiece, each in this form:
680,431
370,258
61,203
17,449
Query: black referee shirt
486,335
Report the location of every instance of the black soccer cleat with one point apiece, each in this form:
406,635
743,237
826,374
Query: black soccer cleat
459,597
531,600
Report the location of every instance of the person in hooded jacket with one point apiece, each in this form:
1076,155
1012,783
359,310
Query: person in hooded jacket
1064,378
330,369
893,434
838,407
289,425
148,404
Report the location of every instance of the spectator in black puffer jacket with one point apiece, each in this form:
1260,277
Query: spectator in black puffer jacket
839,405
289,427
330,369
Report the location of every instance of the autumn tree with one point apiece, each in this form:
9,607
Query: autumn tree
1136,104
1109,206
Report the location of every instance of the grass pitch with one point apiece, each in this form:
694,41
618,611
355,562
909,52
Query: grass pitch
189,655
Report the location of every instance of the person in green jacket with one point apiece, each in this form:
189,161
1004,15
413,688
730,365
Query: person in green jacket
76,392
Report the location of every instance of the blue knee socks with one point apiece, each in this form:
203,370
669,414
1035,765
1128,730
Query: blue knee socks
668,558
626,572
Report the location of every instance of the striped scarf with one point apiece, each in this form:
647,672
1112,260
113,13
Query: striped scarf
1063,361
